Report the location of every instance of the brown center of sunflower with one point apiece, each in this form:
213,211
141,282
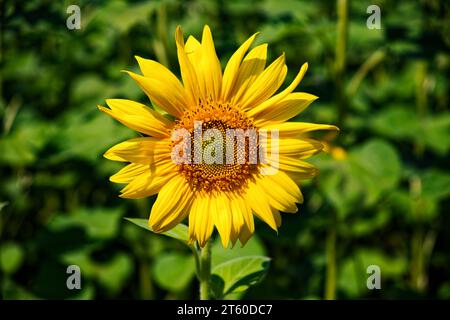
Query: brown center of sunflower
218,147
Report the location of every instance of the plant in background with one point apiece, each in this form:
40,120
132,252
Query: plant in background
210,193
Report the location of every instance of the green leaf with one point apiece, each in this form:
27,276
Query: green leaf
11,257
365,224
436,184
396,122
128,14
353,270
253,247
113,274
402,123
10,290
238,275
370,171
87,135
436,133
2,205
381,160
174,271
87,292
179,232
98,223
23,144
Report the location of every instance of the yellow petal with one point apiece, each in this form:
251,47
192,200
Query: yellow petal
206,65
155,70
221,211
188,73
138,117
171,205
144,186
162,94
247,214
212,71
277,217
245,234
300,148
150,181
252,66
231,70
237,215
280,96
201,222
298,177
248,226
279,198
293,164
288,185
140,150
193,49
265,85
297,129
257,200
129,173
285,109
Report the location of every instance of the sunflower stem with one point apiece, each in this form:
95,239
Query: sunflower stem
419,250
341,100
340,66
330,285
204,271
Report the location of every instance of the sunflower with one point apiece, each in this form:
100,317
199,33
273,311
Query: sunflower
211,194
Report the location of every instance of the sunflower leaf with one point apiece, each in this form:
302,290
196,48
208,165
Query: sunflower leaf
254,247
238,275
180,232
11,257
174,265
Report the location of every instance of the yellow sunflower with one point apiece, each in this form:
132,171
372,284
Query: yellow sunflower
207,193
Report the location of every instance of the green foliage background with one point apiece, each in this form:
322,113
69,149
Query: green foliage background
386,203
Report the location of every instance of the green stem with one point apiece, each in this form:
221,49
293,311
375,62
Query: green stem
341,48
362,72
418,277
205,271
146,286
330,285
419,251
160,43
421,101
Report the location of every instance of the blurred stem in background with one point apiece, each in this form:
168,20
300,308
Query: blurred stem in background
146,286
341,48
422,243
204,271
421,100
362,72
2,19
160,43
339,73
330,286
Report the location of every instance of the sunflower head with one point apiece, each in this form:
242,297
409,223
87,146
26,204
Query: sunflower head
227,152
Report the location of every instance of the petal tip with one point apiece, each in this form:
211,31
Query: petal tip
206,28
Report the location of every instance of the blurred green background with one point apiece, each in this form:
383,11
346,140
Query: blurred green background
382,196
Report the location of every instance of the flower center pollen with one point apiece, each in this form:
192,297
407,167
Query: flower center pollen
215,164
